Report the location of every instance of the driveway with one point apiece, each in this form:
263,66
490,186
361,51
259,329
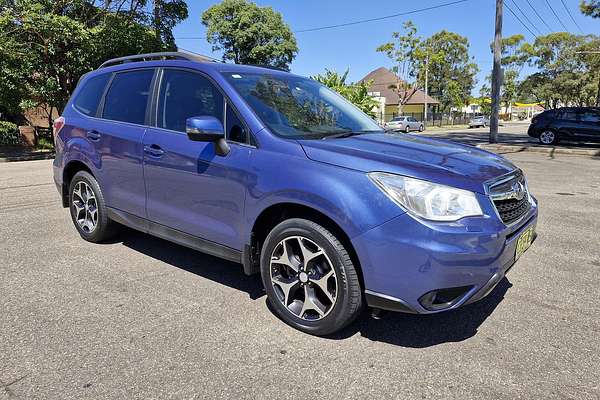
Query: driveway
141,318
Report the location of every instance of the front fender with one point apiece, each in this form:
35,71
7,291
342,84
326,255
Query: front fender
346,196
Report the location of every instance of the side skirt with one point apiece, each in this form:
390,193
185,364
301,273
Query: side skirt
175,236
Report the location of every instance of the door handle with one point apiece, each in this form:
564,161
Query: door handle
154,150
93,135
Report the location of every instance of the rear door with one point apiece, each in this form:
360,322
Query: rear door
189,187
118,134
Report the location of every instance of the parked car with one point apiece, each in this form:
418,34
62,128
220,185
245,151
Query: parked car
567,123
405,124
280,174
479,122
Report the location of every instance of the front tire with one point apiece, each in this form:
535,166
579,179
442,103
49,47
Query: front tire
548,137
88,209
310,279
407,129
421,128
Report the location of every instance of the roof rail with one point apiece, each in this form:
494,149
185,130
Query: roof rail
177,55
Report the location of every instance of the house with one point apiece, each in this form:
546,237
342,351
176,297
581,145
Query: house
383,81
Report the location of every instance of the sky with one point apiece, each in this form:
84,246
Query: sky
354,46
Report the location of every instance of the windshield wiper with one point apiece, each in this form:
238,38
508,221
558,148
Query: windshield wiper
344,134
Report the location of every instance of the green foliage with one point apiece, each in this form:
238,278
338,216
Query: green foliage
248,34
590,8
356,93
449,61
45,46
568,73
9,134
404,51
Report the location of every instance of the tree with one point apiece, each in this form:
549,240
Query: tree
569,70
248,34
45,46
449,61
356,93
515,53
403,53
590,8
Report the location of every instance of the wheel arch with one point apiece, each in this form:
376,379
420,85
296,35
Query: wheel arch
279,212
69,171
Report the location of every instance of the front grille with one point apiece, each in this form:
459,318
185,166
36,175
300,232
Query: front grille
511,210
510,196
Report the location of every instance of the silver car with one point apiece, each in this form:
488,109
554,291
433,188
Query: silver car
479,121
405,124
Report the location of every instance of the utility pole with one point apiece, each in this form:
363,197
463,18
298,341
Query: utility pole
426,87
496,73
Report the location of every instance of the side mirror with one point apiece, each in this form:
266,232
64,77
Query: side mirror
207,129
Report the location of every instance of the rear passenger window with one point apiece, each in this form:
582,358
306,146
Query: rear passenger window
185,94
90,94
590,116
127,97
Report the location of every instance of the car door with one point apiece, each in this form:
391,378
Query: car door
117,136
414,124
568,124
590,124
189,187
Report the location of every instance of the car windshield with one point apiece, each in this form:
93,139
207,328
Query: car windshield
300,108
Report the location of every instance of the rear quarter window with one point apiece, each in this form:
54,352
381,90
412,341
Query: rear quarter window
88,98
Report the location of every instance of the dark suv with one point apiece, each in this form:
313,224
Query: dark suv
281,174
567,123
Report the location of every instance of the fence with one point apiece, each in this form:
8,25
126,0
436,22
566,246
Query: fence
435,118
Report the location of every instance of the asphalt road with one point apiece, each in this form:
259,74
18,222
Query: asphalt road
141,318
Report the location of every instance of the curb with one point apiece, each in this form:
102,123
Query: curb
539,149
29,157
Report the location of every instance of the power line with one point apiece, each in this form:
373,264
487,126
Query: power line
381,18
362,21
538,15
571,15
556,15
519,19
514,2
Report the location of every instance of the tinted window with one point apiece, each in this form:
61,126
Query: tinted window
90,94
127,97
185,94
590,116
235,130
570,115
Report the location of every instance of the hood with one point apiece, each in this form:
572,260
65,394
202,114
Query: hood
444,162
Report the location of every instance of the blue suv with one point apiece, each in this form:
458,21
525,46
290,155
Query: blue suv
284,176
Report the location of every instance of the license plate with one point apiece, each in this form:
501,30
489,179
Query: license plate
524,241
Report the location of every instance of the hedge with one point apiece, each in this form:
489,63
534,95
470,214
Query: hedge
9,134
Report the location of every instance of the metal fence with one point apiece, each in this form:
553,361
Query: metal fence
436,118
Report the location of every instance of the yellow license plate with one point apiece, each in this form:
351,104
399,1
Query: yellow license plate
524,241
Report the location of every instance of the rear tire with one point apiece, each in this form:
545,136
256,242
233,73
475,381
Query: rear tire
88,209
407,129
329,279
421,128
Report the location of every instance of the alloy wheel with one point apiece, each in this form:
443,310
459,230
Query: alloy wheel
547,137
86,207
303,278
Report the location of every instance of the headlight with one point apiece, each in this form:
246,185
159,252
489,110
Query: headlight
427,200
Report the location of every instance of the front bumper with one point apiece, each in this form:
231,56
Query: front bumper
405,260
